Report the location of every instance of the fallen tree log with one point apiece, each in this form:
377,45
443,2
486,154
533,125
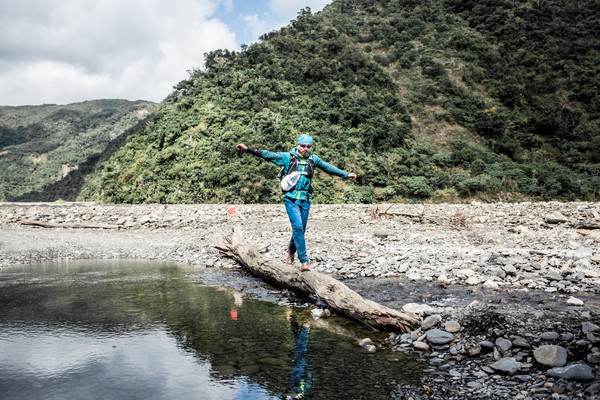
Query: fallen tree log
339,297
587,225
67,225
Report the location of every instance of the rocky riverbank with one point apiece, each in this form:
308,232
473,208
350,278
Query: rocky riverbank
507,293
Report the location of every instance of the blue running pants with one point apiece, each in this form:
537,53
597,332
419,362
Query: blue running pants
297,211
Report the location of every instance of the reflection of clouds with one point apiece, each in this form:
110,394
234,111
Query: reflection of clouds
140,365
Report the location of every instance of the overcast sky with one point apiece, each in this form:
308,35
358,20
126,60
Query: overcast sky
66,51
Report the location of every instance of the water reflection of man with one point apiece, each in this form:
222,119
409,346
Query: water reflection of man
301,380
237,300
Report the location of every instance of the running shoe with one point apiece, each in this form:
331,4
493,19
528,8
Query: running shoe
289,258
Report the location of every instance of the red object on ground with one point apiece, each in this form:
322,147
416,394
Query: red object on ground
231,211
233,313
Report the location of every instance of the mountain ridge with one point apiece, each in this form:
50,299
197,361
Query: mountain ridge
42,146
426,100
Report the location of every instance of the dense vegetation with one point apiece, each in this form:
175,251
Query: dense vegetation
440,100
42,148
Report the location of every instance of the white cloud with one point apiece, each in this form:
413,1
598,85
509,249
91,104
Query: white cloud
257,26
64,51
287,7
61,51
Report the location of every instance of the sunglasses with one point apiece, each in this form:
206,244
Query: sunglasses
306,146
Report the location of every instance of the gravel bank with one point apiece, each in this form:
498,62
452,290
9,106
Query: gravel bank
494,284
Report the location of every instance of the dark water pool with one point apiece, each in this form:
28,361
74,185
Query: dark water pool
98,330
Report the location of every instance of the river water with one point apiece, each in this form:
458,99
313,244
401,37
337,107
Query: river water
145,330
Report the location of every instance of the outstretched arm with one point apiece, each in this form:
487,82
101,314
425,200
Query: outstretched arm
244,148
332,170
277,158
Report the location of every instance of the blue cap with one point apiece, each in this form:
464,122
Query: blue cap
305,139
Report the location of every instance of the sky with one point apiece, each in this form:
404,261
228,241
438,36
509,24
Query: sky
68,51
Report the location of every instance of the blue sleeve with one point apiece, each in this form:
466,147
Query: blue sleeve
330,169
279,158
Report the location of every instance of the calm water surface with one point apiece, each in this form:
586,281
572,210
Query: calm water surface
98,330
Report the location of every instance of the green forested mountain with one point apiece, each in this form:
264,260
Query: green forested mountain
437,100
46,151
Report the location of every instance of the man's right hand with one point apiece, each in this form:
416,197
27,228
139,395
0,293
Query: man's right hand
241,147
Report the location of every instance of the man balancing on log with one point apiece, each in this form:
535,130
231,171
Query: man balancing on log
296,175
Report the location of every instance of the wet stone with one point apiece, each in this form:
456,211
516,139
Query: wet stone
567,337
431,321
550,355
507,365
486,344
474,350
521,343
553,387
577,372
421,346
452,326
488,370
439,337
504,346
594,388
594,358
549,336
588,327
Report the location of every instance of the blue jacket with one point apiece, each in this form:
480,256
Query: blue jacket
301,189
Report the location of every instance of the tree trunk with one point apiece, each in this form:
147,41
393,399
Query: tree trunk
335,294
68,225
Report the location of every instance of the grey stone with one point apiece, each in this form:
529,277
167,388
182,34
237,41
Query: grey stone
454,373
474,385
574,301
521,342
474,350
439,337
421,346
488,370
486,344
504,346
594,358
381,234
370,348
594,388
550,355
480,374
506,365
553,276
575,372
549,336
582,252
523,378
452,326
431,321
556,218
485,257
588,327
510,270
424,258
567,337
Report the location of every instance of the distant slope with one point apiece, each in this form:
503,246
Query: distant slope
442,100
41,146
